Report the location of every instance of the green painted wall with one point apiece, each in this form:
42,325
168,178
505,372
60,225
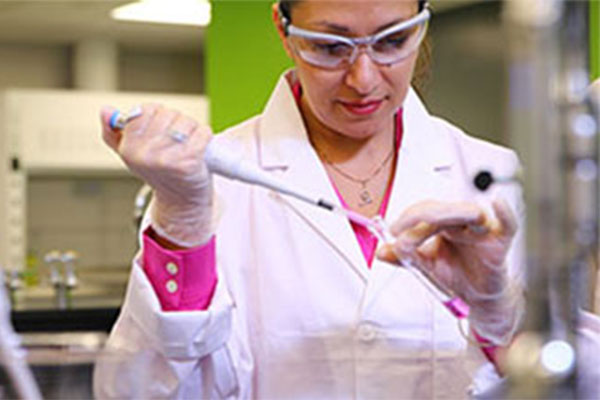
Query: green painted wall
595,38
244,59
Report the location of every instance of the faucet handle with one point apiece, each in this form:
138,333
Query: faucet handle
69,258
52,258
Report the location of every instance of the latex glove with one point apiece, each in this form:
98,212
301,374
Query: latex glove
465,249
182,206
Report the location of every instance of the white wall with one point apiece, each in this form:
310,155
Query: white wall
166,72
32,66
49,66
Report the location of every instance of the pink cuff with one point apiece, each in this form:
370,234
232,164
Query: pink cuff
183,280
489,350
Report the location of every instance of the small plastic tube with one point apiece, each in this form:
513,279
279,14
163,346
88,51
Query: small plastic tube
222,161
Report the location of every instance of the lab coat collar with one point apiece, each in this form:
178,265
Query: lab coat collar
282,124
284,148
281,128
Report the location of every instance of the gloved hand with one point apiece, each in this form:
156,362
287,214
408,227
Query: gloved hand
164,148
465,250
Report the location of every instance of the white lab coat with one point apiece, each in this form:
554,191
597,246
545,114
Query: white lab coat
297,313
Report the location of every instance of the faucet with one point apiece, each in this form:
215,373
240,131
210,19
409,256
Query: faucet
68,258
66,281
52,258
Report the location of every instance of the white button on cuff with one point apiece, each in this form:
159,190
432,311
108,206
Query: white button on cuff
366,332
171,286
172,268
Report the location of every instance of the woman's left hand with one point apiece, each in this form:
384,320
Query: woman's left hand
465,250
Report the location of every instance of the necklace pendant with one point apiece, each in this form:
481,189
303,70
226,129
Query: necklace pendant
365,198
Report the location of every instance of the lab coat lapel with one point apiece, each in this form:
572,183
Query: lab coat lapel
423,171
284,148
426,160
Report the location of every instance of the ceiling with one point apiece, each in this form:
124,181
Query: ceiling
68,21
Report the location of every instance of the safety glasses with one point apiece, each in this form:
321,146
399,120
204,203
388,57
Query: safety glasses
334,51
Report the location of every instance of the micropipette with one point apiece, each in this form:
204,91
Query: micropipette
224,162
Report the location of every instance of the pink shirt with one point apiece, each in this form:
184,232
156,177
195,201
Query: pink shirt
366,240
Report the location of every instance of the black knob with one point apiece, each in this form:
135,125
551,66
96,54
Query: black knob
483,180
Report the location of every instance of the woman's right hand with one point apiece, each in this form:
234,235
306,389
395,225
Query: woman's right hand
165,148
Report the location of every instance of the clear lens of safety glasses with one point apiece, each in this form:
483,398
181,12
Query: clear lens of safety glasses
334,51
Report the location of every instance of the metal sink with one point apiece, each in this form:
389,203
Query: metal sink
62,363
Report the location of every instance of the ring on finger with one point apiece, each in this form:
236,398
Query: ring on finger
178,136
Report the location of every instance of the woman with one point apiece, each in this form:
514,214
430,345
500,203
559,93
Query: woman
299,306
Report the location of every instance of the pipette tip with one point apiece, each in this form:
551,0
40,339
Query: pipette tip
118,120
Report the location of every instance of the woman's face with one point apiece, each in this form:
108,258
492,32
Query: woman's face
357,100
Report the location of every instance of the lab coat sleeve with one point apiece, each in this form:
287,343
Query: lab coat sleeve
504,163
508,165
155,354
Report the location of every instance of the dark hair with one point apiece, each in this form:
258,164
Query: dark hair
422,68
285,7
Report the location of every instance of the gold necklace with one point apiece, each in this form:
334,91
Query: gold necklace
365,195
